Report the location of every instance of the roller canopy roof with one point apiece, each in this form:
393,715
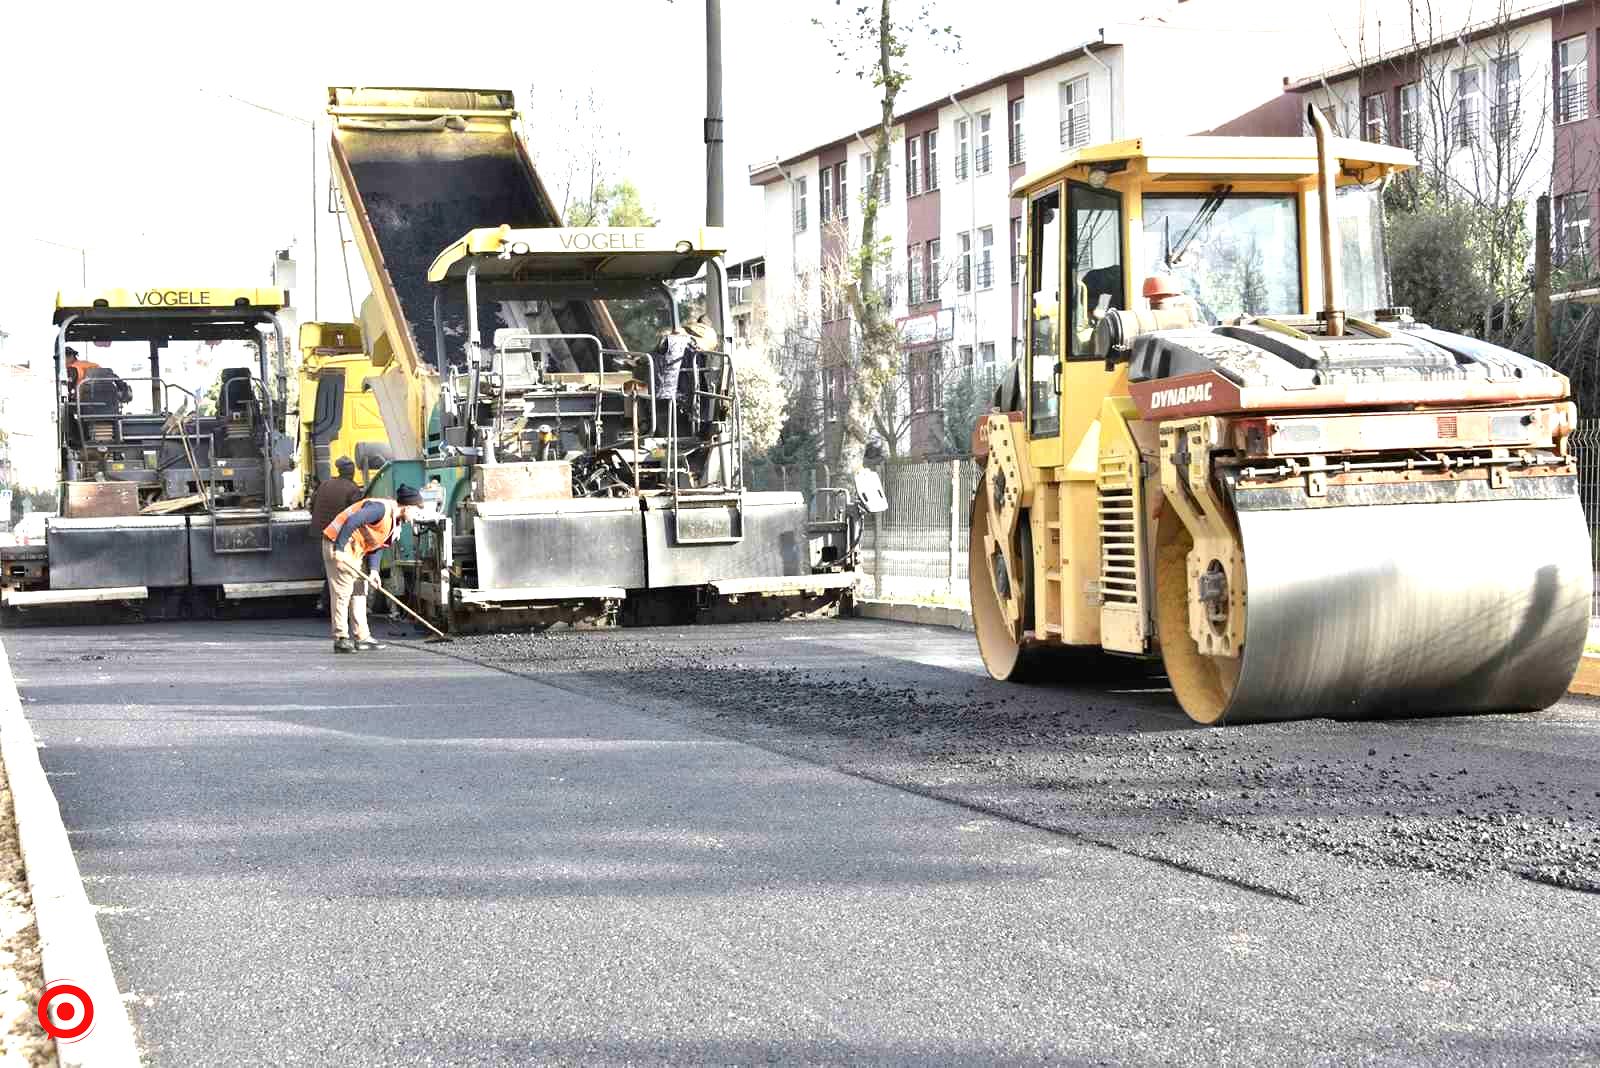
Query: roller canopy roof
591,261
1257,159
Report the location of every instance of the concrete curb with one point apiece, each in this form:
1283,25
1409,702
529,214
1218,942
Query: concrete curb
932,615
69,935
1587,680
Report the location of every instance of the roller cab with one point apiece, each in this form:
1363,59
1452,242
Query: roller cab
1224,448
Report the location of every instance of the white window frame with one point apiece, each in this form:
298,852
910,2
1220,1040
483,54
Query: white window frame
1572,80
930,173
1017,144
914,274
982,159
1016,250
963,148
824,195
842,189
933,269
1075,116
1375,118
1410,117
913,166
964,262
985,261
1466,110
986,352
1572,230
1503,112
797,205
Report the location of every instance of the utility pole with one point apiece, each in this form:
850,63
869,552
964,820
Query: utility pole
713,130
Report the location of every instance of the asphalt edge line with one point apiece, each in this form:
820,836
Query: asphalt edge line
70,944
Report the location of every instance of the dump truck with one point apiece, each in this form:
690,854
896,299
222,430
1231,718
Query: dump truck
338,412
171,503
1301,506
583,444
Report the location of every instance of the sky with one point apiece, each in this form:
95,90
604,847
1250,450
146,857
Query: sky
174,144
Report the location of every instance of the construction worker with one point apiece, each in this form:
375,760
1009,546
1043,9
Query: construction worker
333,496
351,545
77,368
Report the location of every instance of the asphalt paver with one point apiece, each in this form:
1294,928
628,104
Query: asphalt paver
831,841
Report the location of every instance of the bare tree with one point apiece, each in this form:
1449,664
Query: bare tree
877,43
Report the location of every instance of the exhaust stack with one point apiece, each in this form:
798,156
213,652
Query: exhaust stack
1332,281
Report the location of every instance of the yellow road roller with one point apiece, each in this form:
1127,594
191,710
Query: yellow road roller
1223,445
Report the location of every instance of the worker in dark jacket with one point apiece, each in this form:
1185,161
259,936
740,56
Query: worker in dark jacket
334,495
351,545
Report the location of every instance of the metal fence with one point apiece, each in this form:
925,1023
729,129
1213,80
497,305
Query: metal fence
1586,449
917,550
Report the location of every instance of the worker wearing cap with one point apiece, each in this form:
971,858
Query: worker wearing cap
334,495
351,545
78,368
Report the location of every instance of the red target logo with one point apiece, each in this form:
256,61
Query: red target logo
65,1011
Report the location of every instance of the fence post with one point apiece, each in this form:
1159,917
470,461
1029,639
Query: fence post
955,525
877,555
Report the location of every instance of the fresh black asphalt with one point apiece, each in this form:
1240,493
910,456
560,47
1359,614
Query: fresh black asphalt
720,846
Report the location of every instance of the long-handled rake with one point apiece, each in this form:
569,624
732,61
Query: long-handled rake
439,636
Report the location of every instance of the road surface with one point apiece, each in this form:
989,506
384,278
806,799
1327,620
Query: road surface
832,841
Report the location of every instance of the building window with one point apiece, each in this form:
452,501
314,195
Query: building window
1572,79
1016,250
964,263
982,157
1016,155
1507,98
1572,229
1373,126
798,193
832,393
986,257
927,391
931,141
843,205
986,352
868,183
913,166
964,355
914,256
1469,103
934,269
963,147
1075,112
825,195
1411,115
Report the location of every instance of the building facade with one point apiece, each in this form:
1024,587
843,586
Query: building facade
945,207
1503,110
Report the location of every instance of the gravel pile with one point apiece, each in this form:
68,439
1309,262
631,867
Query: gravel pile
1117,764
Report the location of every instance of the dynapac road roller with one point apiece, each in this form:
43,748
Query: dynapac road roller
1304,512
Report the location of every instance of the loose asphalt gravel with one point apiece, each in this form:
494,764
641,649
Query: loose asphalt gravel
831,841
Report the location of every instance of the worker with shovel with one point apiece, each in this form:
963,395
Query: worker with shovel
351,545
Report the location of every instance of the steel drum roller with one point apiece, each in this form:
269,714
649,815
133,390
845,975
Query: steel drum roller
1411,608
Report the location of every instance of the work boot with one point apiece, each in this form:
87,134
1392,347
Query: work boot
367,644
343,645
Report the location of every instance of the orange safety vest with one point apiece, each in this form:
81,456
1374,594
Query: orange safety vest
371,536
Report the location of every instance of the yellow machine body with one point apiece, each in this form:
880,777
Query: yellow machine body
1302,508
339,413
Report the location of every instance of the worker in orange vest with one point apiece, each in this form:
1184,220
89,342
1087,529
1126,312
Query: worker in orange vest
351,545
